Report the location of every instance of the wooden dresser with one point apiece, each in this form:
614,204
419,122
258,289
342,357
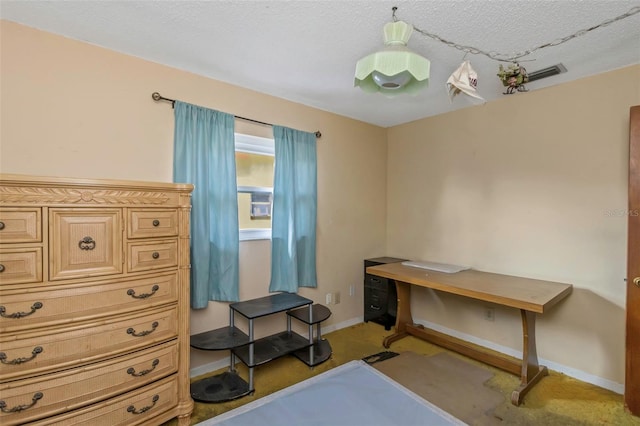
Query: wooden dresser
94,301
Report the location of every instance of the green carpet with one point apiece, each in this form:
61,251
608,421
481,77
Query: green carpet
556,400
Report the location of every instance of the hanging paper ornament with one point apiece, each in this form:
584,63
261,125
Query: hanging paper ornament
463,80
513,78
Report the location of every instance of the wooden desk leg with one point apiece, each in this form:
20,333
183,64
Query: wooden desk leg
532,372
403,314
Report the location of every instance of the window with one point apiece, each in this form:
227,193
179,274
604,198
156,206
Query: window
254,170
260,205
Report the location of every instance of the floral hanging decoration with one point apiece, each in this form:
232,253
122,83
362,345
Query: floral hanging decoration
513,78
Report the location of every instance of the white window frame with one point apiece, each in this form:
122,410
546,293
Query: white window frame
262,146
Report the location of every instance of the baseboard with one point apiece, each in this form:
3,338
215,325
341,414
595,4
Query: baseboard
208,368
341,325
569,371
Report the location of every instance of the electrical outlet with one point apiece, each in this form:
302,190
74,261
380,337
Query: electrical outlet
489,314
336,297
352,290
327,299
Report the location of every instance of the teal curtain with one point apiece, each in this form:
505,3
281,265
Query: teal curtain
293,223
204,155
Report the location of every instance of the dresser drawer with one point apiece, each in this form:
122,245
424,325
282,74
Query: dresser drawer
79,302
130,409
18,266
374,306
79,387
376,291
85,242
43,350
145,223
20,225
375,298
375,282
144,256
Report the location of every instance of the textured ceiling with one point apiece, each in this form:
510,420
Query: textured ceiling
306,51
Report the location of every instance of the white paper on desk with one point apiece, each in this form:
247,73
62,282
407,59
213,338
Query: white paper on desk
434,266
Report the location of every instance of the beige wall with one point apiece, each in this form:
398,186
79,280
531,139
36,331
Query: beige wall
74,109
535,185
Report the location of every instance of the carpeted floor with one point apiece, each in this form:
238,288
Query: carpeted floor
472,391
448,382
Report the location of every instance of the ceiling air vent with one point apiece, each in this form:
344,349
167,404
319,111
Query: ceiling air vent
546,72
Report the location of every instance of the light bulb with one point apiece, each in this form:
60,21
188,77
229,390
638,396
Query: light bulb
391,82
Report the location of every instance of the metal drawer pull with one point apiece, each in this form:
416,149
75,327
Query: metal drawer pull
36,396
132,370
143,333
375,308
131,292
1,226
132,409
375,280
87,243
1,267
34,308
155,255
34,353
156,222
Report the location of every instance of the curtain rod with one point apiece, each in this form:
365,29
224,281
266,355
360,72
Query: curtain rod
157,97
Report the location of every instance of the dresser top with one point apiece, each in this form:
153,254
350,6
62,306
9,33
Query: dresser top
29,180
21,190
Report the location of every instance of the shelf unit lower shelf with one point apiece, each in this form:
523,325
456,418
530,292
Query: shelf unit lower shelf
219,388
321,352
321,349
271,347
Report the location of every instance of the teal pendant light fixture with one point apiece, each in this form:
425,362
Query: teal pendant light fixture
394,69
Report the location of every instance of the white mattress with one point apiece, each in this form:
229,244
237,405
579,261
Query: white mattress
353,394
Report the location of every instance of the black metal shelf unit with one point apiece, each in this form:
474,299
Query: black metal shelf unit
253,352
